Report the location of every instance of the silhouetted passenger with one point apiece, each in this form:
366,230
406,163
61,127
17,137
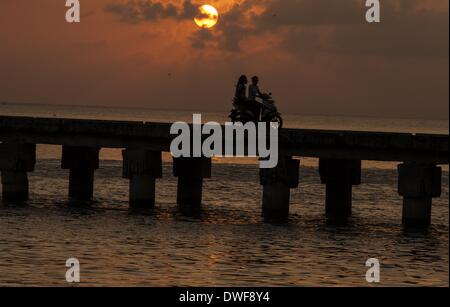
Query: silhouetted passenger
240,97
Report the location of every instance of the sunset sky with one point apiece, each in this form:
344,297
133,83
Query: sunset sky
316,56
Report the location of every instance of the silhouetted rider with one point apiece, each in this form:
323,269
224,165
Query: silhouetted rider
253,93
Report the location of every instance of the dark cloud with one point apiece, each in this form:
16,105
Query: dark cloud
231,30
202,38
234,25
135,11
310,12
405,31
339,27
312,26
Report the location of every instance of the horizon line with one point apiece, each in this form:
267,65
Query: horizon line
214,111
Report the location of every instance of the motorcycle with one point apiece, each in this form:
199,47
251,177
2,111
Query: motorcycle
269,112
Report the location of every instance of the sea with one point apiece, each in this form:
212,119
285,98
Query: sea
228,244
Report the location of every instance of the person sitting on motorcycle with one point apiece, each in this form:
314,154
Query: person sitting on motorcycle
253,90
240,96
253,93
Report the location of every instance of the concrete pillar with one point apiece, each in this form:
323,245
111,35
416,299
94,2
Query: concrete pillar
277,183
82,163
142,167
14,186
418,184
81,183
15,161
190,173
339,176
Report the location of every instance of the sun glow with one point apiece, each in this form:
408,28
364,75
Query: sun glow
207,16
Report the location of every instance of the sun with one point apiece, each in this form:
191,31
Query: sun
207,16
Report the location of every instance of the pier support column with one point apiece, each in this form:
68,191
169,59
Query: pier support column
15,161
339,176
190,173
277,183
418,184
142,167
82,163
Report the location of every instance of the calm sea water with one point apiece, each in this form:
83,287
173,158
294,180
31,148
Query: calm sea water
228,245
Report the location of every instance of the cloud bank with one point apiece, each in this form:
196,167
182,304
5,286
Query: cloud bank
308,26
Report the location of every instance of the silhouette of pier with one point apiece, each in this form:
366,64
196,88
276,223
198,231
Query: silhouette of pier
340,154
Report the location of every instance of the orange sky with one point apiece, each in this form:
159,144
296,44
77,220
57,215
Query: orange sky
316,56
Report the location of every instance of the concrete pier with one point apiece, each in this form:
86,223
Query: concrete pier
190,173
142,168
340,154
277,184
15,161
339,176
82,163
418,183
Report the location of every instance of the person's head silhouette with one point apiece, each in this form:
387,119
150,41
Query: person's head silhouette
243,80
